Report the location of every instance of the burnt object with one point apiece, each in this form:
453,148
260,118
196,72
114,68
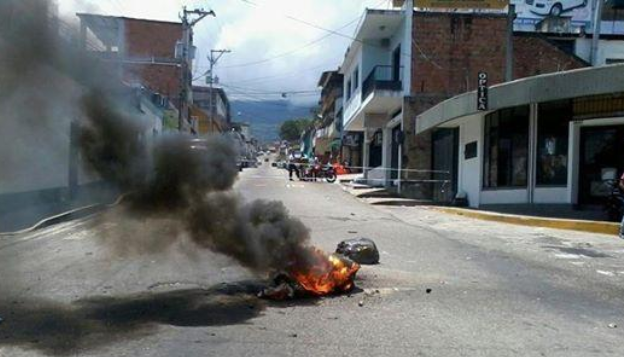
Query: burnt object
322,275
282,287
360,250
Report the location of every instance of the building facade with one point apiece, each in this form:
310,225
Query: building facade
214,105
144,53
449,64
549,139
404,61
328,143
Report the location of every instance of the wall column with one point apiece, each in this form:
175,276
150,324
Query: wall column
386,156
365,154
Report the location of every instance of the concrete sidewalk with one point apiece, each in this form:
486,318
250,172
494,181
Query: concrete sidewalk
382,197
379,196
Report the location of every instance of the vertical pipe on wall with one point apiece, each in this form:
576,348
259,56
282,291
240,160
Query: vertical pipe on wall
597,20
532,154
511,16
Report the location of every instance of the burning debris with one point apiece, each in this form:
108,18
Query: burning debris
318,275
360,250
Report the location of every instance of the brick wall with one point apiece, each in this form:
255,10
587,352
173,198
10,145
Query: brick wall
163,79
534,55
151,38
451,49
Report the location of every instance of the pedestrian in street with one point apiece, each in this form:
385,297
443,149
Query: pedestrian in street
292,166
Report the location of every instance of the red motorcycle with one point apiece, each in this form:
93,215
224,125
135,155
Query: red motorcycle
318,171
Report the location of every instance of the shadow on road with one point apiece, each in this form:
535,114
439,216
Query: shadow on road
63,329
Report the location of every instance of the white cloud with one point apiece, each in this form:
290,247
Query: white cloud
254,33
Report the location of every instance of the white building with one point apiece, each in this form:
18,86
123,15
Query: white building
376,72
549,139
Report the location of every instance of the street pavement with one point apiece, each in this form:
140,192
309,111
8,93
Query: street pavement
446,286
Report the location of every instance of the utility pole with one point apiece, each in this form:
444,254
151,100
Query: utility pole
187,42
511,17
596,32
213,58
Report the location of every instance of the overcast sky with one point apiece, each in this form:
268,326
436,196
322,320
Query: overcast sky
255,33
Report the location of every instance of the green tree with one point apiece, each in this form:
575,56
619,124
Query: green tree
291,130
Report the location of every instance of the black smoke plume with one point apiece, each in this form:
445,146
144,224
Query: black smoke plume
176,181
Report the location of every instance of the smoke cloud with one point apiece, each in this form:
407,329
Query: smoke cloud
178,185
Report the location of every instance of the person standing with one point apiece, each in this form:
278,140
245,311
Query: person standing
292,166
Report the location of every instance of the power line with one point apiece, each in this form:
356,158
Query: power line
316,91
355,39
252,97
291,73
284,74
287,53
333,32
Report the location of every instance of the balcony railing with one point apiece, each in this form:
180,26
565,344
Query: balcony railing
383,78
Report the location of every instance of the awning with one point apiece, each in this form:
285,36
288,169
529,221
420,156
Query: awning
538,89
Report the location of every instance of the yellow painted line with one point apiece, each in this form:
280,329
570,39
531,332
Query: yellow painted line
568,224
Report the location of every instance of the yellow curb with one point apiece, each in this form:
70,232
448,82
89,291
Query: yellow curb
568,224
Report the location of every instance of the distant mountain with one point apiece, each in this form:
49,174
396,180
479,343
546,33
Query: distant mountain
265,117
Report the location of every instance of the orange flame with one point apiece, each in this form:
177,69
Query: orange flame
323,274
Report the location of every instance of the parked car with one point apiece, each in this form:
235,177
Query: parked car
553,7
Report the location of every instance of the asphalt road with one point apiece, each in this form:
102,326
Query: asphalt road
496,290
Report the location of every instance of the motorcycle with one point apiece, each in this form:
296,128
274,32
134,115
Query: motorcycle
614,205
318,171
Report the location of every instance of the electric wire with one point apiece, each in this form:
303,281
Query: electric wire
355,39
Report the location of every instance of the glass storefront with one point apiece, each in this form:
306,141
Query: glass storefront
552,143
601,160
506,148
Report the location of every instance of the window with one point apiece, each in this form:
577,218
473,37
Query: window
506,148
356,78
552,143
348,91
614,60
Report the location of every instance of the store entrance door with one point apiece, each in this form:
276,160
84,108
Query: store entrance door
445,164
601,158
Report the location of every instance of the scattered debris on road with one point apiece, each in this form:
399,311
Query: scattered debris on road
360,250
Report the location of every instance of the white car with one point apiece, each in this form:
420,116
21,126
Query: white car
553,7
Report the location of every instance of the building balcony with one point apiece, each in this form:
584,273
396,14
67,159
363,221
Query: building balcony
383,78
380,96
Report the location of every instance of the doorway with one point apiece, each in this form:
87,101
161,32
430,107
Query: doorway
396,64
601,158
375,150
445,164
